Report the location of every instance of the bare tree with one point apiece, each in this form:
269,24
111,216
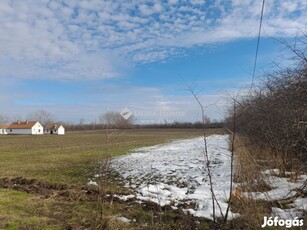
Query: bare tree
16,117
205,119
4,118
232,150
44,117
115,120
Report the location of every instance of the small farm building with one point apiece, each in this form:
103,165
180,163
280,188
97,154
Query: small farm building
3,128
56,129
26,127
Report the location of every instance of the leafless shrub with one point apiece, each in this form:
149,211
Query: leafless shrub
102,219
271,124
273,114
204,120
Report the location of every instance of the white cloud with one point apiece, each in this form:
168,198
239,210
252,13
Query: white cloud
148,10
197,2
83,66
36,36
172,2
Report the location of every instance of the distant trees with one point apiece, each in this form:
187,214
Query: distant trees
185,125
44,117
4,118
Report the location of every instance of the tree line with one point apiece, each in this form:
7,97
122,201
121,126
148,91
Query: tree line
108,120
273,114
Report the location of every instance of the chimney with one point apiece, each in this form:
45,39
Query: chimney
18,122
27,121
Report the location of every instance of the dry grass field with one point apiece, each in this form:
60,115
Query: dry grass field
43,183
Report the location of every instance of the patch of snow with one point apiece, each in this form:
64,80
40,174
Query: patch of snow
92,183
175,173
301,203
123,219
125,197
287,214
282,188
160,193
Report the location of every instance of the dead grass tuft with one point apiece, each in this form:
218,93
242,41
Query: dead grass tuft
247,173
250,161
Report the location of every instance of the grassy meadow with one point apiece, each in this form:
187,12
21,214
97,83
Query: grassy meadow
44,178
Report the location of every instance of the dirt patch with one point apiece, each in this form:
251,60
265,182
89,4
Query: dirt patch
65,192
160,217
49,189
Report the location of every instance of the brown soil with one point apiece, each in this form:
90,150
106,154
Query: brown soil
65,192
49,189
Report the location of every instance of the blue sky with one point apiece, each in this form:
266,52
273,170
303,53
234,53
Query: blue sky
80,58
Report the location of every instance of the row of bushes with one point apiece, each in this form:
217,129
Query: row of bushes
274,113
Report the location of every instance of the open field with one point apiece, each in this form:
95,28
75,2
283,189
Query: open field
55,171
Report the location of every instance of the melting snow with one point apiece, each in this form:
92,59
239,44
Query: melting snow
124,219
92,183
283,188
175,173
124,197
287,214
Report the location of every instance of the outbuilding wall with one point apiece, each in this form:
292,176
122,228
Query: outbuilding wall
61,130
37,129
3,131
19,131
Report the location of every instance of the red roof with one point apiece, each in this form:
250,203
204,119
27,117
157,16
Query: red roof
22,125
4,125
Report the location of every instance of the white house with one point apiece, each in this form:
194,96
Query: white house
27,127
56,129
3,128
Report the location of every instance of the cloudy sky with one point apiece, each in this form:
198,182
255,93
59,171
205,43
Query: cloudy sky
80,58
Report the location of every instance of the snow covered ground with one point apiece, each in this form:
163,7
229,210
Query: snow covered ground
174,174
283,188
